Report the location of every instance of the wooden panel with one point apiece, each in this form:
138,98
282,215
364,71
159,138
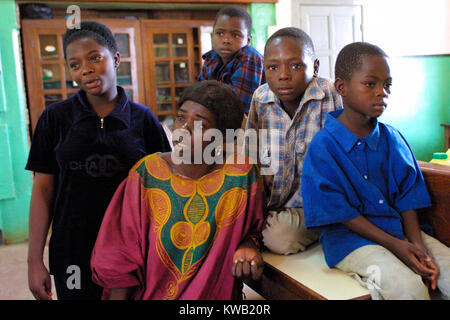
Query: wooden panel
32,29
446,135
437,179
150,28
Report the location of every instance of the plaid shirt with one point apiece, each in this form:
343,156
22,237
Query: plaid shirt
244,73
293,136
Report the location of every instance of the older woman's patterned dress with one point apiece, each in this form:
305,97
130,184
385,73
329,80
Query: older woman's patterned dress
174,237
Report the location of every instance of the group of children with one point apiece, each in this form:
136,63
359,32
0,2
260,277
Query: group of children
343,177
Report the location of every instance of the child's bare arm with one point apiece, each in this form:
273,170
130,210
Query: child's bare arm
411,227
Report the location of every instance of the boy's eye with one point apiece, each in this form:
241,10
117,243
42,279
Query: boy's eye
96,58
370,84
74,66
179,117
237,36
271,68
219,33
296,66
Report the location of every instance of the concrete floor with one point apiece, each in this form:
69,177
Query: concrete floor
14,274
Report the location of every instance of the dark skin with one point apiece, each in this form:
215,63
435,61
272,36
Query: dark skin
229,35
247,260
289,68
93,67
365,98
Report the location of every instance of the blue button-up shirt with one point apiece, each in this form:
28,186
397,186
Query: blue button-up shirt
345,176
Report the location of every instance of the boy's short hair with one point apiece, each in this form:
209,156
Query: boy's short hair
350,57
236,11
218,98
96,30
296,33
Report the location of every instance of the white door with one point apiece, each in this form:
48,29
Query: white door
331,28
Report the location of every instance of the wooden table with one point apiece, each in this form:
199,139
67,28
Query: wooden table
446,135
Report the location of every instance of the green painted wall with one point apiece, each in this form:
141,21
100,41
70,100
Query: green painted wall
15,182
420,102
263,15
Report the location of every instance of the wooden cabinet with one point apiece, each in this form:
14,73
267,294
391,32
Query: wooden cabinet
48,79
172,61
159,58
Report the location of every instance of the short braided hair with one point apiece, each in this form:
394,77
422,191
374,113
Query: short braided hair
350,58
96,30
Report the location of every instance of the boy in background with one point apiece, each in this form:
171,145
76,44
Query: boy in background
233,61
362,186
294,102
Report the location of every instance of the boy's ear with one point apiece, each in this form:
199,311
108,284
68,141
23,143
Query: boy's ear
316,67
116,58
249,38
339,85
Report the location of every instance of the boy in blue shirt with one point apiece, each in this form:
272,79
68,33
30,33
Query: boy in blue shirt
362,185
233,61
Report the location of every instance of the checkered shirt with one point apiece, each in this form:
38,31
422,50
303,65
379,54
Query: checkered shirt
293,138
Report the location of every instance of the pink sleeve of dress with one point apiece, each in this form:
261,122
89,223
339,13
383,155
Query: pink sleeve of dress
118,258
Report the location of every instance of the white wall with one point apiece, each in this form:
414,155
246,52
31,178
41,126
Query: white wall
400,27
408,27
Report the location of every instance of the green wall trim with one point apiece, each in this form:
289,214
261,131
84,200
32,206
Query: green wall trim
16,194
263,15
420,102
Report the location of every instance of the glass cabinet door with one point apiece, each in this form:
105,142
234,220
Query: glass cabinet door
171,59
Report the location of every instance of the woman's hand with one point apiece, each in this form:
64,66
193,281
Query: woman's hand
39,281
247,262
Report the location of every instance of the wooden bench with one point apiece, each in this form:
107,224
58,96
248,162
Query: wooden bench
306,276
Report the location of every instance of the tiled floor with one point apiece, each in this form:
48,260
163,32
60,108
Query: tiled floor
14,274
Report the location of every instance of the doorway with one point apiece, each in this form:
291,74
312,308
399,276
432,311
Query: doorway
331,27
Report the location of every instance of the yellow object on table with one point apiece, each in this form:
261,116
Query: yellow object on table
441,158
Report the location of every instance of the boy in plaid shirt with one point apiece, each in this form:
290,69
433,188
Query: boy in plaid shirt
233,61
292,106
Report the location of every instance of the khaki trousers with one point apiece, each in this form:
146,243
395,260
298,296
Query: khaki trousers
388,278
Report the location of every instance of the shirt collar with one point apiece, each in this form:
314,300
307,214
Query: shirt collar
313,92
121,109
345,137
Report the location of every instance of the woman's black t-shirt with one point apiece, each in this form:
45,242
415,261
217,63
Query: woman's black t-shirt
89,158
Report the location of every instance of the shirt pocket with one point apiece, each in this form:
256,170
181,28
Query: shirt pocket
300,147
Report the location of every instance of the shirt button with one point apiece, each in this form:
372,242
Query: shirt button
359,143
365,177
380,201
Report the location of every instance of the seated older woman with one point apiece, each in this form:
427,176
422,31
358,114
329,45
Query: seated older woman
185,229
